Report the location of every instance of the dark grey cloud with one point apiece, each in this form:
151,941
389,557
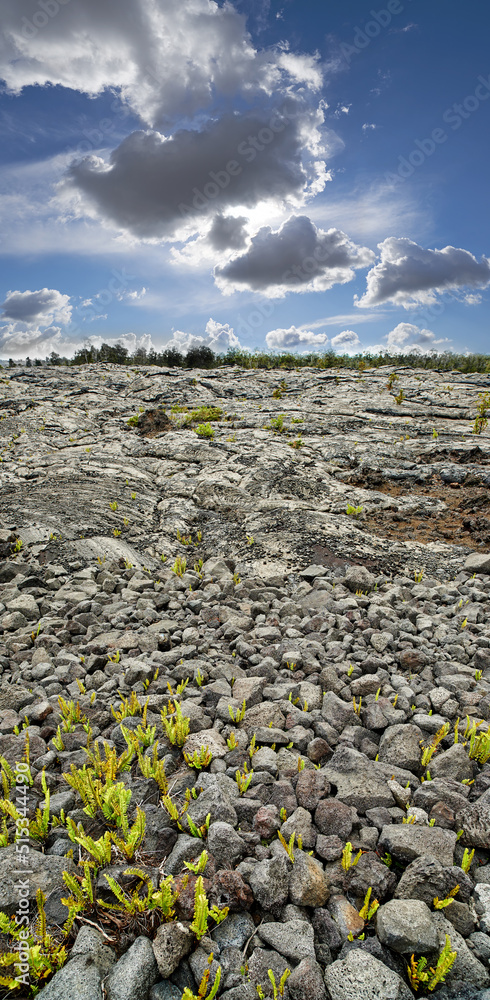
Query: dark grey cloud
43,306
408,274
228,232
297,257
154,186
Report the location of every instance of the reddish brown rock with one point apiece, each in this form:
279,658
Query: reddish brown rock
229,889
334,819
267,821
311,786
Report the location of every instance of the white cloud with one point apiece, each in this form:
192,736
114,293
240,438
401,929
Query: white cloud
286,339
28,325
168,58
20,341
346,340
298,257
42,307
420,339
219,337
409,275
369,127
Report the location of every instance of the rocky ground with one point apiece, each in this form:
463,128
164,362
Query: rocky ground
324,652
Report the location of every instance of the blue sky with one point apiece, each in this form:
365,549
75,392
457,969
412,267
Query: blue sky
264,174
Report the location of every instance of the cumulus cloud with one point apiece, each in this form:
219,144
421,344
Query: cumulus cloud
20,341
219,337
168,58
287,339
42,307
346,340
30,319
420,339
409,275
297,257
228,232
157,187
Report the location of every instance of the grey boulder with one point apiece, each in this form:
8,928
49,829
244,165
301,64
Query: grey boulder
360,976
406,926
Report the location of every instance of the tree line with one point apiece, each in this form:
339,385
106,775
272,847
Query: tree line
204,357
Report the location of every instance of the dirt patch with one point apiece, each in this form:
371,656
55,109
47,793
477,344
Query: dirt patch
465,521
153,422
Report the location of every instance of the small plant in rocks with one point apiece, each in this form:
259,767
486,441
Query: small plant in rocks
199,759
202,911
179,567
420,975
203,986
467,859
482,409
278,988
239,714
354,512
277,424
441,904
288,844
369,909
176,725
243,779
429,751
347,861
205,430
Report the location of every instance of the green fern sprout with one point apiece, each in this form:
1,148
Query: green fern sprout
347,861
203,986
198,867
354,512
243,779
440,904
179,567
239,714
176,726
369,909
202,911
278,989
199,759
288,845
418,974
